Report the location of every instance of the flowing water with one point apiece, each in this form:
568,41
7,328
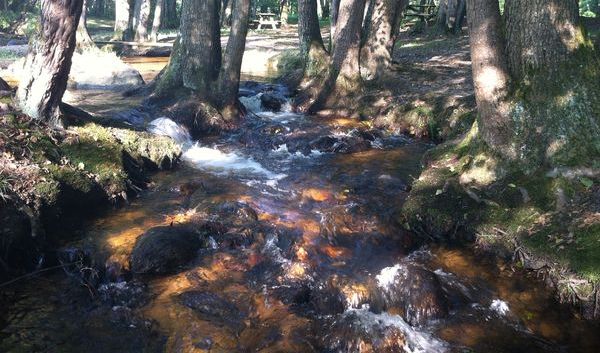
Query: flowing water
303,252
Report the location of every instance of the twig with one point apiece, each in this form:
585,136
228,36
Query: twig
31,274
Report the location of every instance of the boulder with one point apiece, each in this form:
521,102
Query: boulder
164,249
102,72
412,291
271,102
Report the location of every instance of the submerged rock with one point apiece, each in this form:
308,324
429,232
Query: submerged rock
211,307
353,332
164,249
414,292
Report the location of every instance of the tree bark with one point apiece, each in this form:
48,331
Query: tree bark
170,19
142,18
450,16
229,76
49,61
490,74
344,79
200,44
309,30
156,21
225,12
83,36
122,16
376,53
335,9
541,33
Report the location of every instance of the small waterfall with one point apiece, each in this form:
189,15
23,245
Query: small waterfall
209,158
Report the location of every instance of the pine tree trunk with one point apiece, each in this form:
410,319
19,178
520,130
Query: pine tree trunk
316,58
540,33
490,74
229,77
121,19
346,55
335,9
142,19
156,21
200,44
170,19
49,61
376,53
309,30
343,81
83,37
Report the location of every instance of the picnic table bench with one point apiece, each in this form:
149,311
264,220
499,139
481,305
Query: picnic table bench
264,21
423,12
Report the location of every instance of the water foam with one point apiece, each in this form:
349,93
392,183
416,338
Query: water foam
209,158
416,341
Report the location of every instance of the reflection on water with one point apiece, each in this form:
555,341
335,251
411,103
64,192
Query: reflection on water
316,261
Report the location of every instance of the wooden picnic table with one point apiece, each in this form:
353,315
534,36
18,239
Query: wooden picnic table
265,20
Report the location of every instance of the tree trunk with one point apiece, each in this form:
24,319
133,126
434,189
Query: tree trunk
200,44
450,16
285,11
84,40
540,33
170,19
229,76
225,12
344,79
490,74
156,22
376,53
335,9
309,30
49,61
312,49
98,8
121,19
142,19
345,58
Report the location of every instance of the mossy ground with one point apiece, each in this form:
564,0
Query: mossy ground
50,178
544,221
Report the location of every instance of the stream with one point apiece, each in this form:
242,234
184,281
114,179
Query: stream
302,251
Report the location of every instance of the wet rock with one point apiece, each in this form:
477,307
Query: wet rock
324,144
345,144
293,293
211,307
126,294
235,213
326,299
355,332
164,249
411,291
271,102
352,144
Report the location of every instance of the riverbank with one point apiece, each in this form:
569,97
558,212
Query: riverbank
52,180
547,222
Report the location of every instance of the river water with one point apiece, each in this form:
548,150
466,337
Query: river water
304,252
